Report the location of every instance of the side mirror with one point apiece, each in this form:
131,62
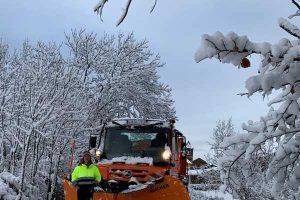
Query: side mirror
172,164
183,152
93,141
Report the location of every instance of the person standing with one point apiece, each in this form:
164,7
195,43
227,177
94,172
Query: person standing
85,176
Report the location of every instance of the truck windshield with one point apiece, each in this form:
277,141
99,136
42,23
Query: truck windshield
135,143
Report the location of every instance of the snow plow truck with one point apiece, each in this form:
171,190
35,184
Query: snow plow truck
138,159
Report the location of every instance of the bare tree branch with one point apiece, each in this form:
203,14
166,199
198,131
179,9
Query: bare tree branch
296,4
153,6
243,94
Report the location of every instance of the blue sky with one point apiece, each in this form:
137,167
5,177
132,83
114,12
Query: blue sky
203,92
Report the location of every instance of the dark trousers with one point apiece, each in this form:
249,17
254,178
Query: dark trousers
85,192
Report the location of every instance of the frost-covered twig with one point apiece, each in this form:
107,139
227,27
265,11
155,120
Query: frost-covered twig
99,7
297,12
125,11
243,94
289,27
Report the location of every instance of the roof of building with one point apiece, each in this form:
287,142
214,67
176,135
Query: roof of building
199,162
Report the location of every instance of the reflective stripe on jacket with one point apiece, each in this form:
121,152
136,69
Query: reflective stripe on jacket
83,170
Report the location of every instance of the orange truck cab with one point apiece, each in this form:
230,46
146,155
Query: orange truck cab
138,159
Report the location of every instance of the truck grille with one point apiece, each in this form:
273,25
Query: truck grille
118,173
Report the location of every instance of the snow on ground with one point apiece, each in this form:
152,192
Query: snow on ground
7,181
209,195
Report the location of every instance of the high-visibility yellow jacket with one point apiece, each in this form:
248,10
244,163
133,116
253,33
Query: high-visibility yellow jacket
84,171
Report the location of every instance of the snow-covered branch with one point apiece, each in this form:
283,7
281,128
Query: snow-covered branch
289,27
298,11
100,5
267,153
124,14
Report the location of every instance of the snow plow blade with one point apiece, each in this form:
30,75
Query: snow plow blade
168,189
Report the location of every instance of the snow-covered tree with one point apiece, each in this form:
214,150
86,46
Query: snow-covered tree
222,130
48,100
5,87
272,144
123,74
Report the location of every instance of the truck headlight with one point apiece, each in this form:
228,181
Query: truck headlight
98,153
166,154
